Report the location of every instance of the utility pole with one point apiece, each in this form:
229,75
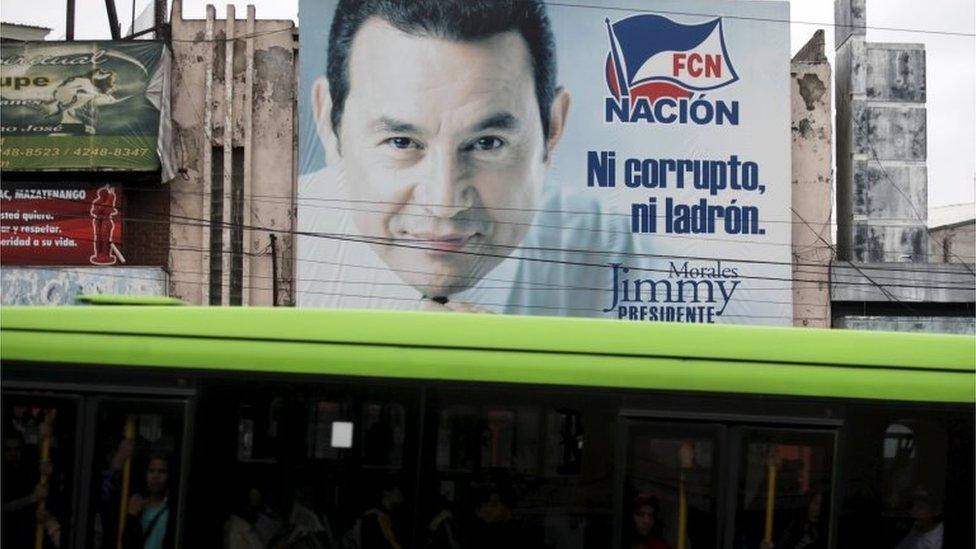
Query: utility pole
274,270
69,25
113,19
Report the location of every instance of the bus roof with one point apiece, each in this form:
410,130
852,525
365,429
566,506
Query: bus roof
492,348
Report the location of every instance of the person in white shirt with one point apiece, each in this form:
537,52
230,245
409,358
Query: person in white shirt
439,121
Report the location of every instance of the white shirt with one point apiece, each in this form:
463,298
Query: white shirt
928,540
543,276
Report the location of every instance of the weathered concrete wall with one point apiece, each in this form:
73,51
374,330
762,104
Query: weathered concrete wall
884,271
260,128
917,324
901,282
811,153
61,285
881,145
850,18
953,243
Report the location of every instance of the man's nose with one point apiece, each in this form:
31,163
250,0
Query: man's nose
445,191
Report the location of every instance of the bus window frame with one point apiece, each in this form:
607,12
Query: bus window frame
74,524
185,407
87,398
730,425
736,440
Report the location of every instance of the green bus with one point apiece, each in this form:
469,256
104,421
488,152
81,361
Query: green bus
162,426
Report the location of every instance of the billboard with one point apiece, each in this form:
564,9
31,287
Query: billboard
624,159
63,226
80,106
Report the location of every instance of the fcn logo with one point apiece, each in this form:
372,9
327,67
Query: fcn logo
653,57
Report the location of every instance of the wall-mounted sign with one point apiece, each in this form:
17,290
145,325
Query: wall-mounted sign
85,106
45,226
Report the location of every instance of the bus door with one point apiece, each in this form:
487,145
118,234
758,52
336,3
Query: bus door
723,484
93,466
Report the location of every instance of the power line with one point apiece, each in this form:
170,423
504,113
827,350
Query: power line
370,239
573,5
366,239
759,19
399,298
887,179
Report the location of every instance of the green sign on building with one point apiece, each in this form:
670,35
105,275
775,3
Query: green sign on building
85,106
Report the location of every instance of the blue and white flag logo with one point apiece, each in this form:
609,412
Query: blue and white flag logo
652,56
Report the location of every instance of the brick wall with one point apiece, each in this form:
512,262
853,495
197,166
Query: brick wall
145,240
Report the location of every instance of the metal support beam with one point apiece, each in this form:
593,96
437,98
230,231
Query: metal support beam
69,26
113,19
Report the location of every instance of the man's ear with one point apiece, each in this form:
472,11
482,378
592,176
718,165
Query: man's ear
558,113
322,108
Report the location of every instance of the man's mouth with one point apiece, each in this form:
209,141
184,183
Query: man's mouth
442,242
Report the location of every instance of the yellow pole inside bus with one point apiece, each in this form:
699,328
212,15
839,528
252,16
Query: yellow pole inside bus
770,499
682,511
129,433
48,426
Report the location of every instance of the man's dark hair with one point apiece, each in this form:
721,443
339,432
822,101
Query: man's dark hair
459,20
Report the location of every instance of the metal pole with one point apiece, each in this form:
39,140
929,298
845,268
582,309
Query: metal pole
113,19
69,25
274,270
129,433
46,430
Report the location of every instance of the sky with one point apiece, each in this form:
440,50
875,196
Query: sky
950,61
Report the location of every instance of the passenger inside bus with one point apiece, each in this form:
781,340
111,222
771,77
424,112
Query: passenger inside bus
803,532
134,491
926,532
376,527
149,525
647,528
35,493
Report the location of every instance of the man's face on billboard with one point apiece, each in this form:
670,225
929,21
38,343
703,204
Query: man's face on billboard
442,150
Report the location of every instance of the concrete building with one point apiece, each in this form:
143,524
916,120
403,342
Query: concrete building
16,32
812,180
234,124
884,277
952,233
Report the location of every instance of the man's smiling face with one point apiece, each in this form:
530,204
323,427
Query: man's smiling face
442,151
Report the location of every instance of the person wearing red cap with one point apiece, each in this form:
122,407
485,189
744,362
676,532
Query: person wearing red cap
647,530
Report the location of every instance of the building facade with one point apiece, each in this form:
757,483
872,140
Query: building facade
884,276
234,127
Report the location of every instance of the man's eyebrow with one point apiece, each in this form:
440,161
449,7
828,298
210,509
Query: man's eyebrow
392,125
498,121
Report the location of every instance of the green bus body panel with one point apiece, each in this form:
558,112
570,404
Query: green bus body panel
487,348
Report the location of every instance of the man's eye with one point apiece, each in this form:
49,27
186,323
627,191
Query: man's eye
488,143
403,143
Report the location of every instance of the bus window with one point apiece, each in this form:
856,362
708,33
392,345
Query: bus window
564,438
505,470
908,479
136,474
458,439
670,499
913,481
783,488
384,428
38,455
328,431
